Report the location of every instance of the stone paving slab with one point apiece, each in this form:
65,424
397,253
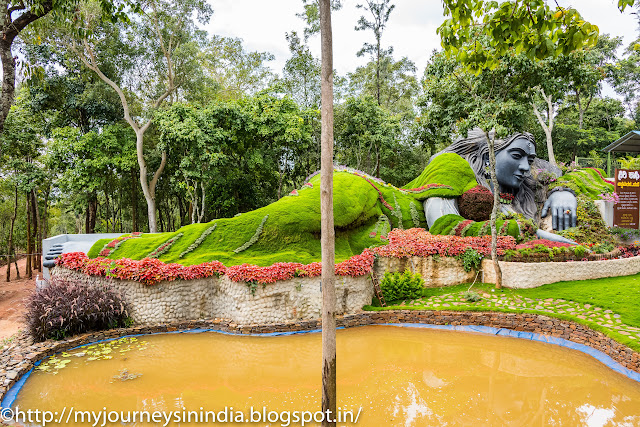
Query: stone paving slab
603,317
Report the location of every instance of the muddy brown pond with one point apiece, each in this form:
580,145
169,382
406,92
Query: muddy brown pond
397,376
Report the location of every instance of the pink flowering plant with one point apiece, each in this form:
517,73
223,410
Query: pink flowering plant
610,197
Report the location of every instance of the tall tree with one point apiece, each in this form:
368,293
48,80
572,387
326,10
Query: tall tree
19,15
301,74
311,15
532,28
327,231
234,71
165,35
365,131
397,83
380,11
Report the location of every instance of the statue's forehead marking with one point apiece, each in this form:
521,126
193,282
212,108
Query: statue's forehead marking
525,145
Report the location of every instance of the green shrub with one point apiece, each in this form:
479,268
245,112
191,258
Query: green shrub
471,296
579,251
471,259
509,254
397,286
603,248
590,227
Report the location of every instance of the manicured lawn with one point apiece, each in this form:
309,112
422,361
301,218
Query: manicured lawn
610,305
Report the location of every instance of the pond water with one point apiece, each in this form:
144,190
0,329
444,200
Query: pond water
399,376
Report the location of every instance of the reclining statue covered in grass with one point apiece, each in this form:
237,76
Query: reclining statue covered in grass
449,197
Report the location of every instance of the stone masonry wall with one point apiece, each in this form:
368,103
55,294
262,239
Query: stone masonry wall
448,271
209,298
19,358
436,271
524,275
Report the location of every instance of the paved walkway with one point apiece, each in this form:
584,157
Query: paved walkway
586,312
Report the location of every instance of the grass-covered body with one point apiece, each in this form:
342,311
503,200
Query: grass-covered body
291,232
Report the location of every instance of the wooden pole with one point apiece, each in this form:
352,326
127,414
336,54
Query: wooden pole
327,230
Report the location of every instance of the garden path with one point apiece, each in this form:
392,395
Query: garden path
12,296
586,312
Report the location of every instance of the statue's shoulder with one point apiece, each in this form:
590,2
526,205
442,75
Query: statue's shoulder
446,169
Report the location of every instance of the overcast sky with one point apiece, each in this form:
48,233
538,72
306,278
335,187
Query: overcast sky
411,28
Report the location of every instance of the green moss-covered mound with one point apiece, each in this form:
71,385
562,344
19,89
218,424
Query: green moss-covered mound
290,227
448,169
585,181
456,225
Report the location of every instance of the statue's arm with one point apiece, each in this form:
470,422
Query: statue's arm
553,237
436,207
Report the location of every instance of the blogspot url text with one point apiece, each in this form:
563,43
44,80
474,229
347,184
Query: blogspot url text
106,417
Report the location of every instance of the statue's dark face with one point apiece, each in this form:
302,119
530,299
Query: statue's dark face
513,163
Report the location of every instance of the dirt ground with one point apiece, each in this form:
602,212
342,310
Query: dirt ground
12,295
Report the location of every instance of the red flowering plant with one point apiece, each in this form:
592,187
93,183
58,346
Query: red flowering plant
110,247
605,179
419,242
380,196
149,271
427,187
358,265
160,250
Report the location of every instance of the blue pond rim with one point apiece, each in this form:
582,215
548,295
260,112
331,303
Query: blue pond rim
12,394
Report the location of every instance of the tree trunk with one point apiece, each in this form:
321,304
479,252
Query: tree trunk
107,213
92,213
280,179
37,244
45,215
86,218
148,188
182,211
13,221
378,74
8,80
10,30
327,231
160,217
28,271
548,128
494,211
201,216
15,263
134,202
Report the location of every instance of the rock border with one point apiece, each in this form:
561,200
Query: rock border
18,359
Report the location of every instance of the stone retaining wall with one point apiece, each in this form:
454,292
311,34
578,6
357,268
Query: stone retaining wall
212,297
524,275
20,357
448,271
436,271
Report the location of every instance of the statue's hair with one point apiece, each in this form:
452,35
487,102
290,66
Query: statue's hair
475,149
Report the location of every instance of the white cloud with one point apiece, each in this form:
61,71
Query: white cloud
411,29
